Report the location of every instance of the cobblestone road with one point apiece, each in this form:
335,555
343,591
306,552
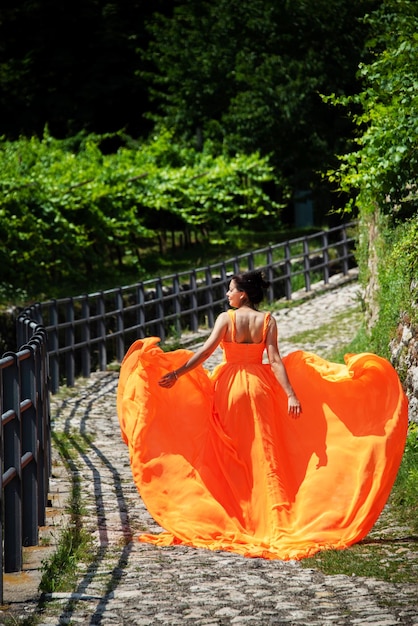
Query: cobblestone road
132,583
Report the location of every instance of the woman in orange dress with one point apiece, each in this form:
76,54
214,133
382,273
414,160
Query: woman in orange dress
229,461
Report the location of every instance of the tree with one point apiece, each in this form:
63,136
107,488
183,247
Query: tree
71,65
248,74
382,169
69,211
380,173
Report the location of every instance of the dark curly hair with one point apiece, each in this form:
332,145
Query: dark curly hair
253,284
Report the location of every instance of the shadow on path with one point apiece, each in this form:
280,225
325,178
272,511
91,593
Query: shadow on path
100,467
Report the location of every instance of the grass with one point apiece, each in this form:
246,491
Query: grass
339,326
404,498
60,571
390,551
385,560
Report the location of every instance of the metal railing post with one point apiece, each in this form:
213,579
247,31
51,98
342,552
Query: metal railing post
159,309
120,344
69,342
325,252
140,297
345,252
101,331
269,274
306,265
44,429
287,272
194,321
53,346
177,304
209,298
85,334
12,483
29,429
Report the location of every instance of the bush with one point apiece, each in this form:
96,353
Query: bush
398,287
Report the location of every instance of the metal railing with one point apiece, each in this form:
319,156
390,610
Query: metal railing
64,338
87,332
24,447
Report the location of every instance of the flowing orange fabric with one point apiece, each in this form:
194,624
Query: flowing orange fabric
220,464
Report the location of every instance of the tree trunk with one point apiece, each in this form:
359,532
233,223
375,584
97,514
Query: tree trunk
162,240
372,283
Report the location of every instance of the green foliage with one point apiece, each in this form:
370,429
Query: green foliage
397,293
405,250
381,170
379,175
68,209
373,560
60,572
247,74
71,65
75,543
405,493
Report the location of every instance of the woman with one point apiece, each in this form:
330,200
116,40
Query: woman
247,326
219,464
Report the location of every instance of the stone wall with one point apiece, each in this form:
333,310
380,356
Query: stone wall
404,356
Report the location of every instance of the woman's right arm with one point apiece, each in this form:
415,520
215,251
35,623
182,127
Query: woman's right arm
279,369
210,345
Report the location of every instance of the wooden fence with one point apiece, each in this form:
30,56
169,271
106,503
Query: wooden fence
87,332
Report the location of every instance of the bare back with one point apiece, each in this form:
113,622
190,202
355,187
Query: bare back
249,326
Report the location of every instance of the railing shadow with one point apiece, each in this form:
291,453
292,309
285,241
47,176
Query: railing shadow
97,462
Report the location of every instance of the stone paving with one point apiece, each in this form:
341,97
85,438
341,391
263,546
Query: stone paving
133,583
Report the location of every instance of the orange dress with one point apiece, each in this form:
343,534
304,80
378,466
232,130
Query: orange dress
220,464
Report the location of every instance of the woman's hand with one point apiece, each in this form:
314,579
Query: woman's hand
168,380
294,407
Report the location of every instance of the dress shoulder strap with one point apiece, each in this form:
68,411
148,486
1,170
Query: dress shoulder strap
231,314
267,318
